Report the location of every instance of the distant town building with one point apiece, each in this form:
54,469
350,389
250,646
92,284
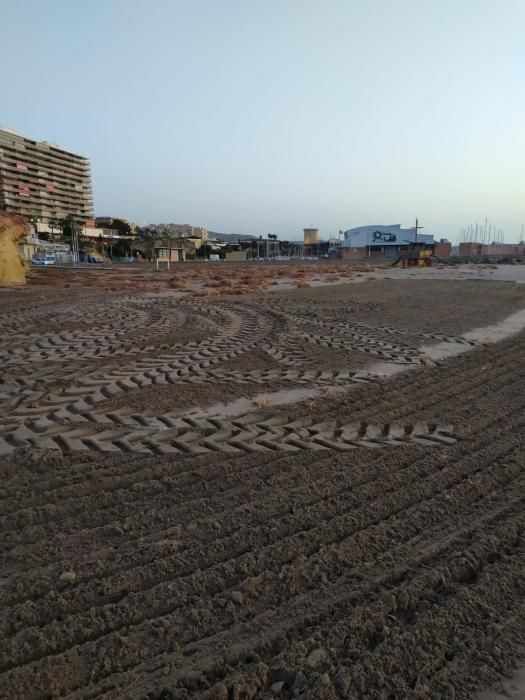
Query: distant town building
88,229
180,230
107,222
42,181
380,241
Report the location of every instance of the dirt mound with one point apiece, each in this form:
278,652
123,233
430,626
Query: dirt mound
12,267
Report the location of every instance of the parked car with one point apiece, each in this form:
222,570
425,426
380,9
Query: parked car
43,259
87,258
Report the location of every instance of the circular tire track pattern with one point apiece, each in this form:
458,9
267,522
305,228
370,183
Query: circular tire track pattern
281,553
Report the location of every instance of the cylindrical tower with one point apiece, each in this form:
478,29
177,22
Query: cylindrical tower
311,236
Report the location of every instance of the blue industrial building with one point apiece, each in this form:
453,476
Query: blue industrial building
380,241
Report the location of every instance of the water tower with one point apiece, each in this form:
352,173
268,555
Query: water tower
311,236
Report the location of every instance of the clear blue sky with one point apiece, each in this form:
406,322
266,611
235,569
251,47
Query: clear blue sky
255,116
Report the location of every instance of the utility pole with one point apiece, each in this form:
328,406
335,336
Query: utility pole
74,241
418,227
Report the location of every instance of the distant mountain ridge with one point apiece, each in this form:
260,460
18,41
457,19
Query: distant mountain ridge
230,237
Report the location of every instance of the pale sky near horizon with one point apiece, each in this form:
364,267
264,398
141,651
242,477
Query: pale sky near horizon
257,116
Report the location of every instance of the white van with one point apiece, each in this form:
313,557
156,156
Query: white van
44,259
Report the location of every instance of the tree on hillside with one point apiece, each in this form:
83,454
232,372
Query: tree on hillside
121,226
72,227
146,242
120,248
202,252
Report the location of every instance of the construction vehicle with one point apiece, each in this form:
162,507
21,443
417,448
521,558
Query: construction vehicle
416,255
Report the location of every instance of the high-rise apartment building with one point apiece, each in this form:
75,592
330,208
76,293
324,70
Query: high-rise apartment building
41,180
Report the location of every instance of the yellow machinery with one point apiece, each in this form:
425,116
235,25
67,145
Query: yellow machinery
416,255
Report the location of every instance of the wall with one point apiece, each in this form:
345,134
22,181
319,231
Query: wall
469,249
236,255
503,249
28,248
442,249
349,253
498,250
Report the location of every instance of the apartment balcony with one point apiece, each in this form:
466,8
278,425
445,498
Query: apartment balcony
38,160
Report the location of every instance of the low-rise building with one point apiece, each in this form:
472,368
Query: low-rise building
172,251
91,230
498,250
32,245
380,241
88,230
443,248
